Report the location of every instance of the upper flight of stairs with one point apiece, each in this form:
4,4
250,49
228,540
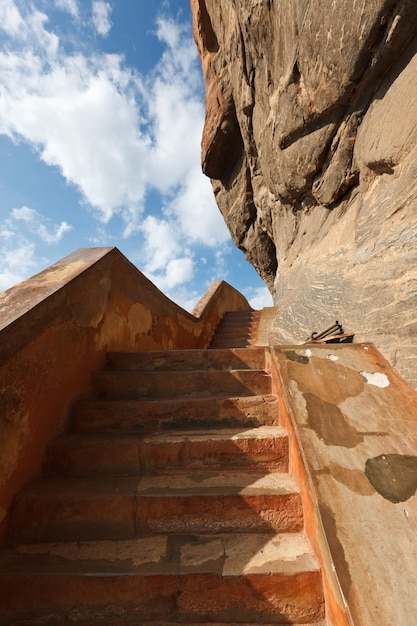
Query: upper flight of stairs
168,502
237,329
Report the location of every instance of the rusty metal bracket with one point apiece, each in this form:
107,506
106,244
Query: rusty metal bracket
334,329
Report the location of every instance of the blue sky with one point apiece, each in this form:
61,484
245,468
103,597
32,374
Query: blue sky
101,113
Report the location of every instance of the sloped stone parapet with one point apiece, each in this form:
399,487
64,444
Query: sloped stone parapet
353,445
57,327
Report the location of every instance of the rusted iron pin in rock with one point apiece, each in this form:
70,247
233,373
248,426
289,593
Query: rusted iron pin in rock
331,330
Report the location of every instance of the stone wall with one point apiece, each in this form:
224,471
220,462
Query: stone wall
55,330
310,142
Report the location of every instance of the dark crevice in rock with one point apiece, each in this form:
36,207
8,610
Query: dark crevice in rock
296,75
261,253
312,123
208,35
226,150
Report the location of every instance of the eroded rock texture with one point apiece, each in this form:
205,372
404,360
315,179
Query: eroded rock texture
310,142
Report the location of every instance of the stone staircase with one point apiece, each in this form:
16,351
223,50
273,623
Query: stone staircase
237,329
168,502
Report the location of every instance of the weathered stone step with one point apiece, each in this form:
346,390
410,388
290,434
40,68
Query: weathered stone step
127,621
232,325
143,384
175,414
236,326
185,360
238,323
135,622
77,509
265,447
66,509
241,315
241,333
212,502
227,578
237,342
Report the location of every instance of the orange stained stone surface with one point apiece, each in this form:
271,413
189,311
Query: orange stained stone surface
355,419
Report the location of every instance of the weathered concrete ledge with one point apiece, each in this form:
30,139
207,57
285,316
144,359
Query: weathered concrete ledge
352,423
56,328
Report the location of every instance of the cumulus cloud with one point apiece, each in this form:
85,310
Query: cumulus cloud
101,12
71,6
115,135
17,258
259,297
177,272
33,222
26,25
161,243
13,271
110,131
11,21
196,211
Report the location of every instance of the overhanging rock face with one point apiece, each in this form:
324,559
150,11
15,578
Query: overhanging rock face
310,142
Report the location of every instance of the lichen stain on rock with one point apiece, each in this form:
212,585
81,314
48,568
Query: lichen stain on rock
315,379
394,476
330,423
10,405
336,549
298,358
88,311
140,317
353,479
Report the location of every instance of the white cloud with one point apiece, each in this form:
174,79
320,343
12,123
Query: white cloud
115,135
17,259
33,222
110,132
162,243
259,297
176,272
71,6
196,211
11,21
26,28
101,11
18,256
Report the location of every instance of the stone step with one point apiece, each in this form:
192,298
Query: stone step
120,416
233,328
241,315
212,502
66,509
237,323
223,579
98,621
185,360
143,384
236,334
265,447
237,342
237,329
82,509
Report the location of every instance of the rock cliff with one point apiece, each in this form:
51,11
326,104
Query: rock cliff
310,142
